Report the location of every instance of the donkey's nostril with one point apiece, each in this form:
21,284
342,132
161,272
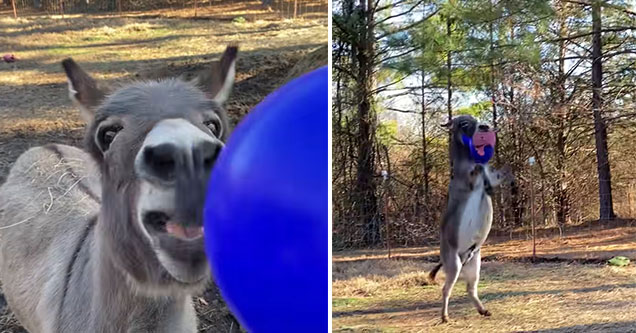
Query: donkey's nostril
208,151
161,160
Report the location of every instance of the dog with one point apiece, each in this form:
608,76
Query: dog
468,215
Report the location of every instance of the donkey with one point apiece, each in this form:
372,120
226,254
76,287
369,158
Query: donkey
109,239
468,216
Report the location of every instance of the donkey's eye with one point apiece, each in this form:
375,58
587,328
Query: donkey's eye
107,135
214,126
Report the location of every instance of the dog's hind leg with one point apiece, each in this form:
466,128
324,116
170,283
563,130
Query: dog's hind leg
452,266
471,273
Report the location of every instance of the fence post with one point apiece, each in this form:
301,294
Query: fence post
629,200
15,12
281,5
385,199
195,8
534,234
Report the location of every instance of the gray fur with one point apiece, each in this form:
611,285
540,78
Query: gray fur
459,251
73,255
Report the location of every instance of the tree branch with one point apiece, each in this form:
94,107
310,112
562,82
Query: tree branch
407,27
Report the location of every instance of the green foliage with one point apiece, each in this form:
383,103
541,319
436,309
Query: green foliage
386,132
510,50
239,20
619,261
477,110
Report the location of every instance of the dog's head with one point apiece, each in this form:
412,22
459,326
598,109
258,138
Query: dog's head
466,127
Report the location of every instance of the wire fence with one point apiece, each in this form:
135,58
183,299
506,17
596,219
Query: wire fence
406,218
402,219
283,9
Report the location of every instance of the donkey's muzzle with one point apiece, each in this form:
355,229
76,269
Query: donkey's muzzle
186,171
166,162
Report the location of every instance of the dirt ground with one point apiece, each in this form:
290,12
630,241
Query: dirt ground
570,288
34,104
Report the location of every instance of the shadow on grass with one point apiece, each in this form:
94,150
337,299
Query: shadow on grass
623,326
16,47
43,25
391,308
259,72
131,65
609,287
429,258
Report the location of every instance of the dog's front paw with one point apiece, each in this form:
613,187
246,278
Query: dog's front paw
506,173
502,176
477,170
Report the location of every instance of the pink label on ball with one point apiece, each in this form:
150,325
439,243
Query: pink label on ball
483,139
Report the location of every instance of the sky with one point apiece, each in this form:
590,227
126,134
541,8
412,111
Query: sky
411,122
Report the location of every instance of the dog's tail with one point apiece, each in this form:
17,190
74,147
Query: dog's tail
432,274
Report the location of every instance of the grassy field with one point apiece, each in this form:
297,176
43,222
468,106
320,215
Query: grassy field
569,289
34,104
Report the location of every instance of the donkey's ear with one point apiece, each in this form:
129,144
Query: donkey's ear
217,81
82,89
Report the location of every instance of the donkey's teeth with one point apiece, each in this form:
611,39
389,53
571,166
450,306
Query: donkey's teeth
184,232
194,232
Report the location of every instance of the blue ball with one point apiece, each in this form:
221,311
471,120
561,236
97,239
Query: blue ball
266,212
479,159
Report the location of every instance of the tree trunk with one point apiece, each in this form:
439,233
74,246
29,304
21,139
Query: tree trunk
449,107
365,189
425,154
493,95
561,196
515,195
606,209
501,218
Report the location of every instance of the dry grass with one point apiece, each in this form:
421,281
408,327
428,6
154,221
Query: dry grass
219,11
370,293
34,104
589,243
35,108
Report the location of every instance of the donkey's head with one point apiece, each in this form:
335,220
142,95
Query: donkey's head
156,143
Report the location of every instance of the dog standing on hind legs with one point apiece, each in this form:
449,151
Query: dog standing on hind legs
468,215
